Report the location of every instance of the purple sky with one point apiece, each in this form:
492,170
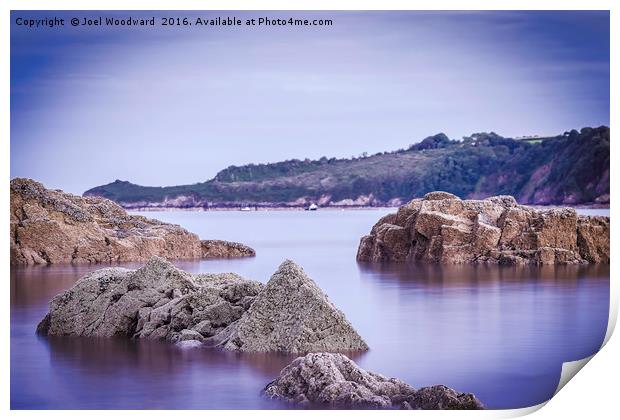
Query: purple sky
162,106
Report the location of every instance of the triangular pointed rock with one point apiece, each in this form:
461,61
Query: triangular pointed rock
292,314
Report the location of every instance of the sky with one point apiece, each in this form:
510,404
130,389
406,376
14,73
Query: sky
175,105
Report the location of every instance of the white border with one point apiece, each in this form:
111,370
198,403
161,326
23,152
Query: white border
593,395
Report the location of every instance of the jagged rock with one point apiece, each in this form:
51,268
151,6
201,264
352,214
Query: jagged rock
156,301
334,380
224,249
159,301
441,228
292,314
50,226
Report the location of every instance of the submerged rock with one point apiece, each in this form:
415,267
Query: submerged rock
292,314
51,226
334,380
441,228
159,301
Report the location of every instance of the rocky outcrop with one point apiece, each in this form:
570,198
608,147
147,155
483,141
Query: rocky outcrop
156,301
333,380
292,314
159,301
51,226
442,228
212,248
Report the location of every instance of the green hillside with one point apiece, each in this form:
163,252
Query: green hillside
572,168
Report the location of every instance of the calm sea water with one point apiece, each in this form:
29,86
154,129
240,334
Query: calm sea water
501,333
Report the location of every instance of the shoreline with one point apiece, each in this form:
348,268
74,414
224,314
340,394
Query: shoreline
258,209
335,208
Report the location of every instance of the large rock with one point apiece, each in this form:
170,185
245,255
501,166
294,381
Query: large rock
159,301
333,380
156,301
292,314
441,228
50,226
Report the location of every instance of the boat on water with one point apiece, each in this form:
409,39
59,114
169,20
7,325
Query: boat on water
313,207
246,208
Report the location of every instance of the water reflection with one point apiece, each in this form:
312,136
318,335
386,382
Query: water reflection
499,332
435,275
116,355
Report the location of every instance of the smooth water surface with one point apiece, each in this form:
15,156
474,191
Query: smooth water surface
501,333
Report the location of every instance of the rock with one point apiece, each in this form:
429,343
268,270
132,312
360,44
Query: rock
158,301
292,314
440,397
334,380
439,195
205,328
593,238
189,344
225,249
190,335
50,226
441,228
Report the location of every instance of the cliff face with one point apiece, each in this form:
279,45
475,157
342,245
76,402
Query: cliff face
50,226
441,228
572,168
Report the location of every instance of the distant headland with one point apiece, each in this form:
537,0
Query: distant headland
568,169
